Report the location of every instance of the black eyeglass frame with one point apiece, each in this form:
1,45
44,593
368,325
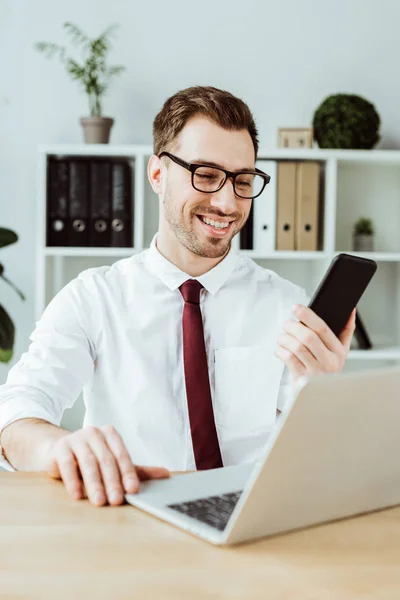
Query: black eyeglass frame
192,167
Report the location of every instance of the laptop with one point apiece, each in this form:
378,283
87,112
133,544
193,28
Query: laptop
335,452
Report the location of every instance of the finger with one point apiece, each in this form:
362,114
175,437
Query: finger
65,467
108,466
314,322
348,331
90,472
130,479
145,473
308,338
295,367
299,350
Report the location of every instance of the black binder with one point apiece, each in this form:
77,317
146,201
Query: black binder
78,223
57,202
121,205
100,203
246,233
361,335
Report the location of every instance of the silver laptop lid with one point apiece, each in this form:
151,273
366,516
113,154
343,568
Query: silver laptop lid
335,453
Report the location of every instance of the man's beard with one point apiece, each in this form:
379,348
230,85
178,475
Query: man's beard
187,236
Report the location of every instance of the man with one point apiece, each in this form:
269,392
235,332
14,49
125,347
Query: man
174,373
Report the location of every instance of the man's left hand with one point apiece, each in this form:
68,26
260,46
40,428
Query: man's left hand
310,346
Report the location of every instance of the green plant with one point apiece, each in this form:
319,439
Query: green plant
364,226
346,121
92,73
7,329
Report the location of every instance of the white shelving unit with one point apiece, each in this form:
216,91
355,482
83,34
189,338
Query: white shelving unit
356,183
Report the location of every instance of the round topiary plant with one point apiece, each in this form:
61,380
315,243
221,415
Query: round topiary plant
346,121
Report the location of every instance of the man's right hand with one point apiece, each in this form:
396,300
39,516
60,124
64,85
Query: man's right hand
96,458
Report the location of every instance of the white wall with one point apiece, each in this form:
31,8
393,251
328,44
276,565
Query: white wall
282,57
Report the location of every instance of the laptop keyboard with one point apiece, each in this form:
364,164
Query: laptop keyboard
214,510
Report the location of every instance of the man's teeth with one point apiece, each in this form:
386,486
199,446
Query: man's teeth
215,224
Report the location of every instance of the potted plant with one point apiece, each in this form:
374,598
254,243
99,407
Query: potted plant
363,235
92,74
346,121
7,329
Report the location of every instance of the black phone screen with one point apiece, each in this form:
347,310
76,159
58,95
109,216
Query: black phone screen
341,288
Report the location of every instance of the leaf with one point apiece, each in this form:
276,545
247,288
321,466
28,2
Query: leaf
77,35
10,283
116,70
6,355
7,237
99,49
49,49
109,32
76,71
7,334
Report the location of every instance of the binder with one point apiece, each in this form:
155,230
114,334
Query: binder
78,225
57,202
121,205
246,233
361,335
100,203
264,207
285,207
307,200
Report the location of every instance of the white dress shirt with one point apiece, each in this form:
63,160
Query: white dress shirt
116,332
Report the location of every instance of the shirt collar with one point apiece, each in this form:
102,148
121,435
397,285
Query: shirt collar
173,277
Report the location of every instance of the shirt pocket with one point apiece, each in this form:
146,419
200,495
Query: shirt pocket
247,380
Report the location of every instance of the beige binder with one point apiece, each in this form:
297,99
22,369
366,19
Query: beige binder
285,206
307,200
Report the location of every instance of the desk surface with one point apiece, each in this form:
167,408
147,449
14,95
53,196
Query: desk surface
54,548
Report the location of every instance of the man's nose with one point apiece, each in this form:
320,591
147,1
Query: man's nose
225,198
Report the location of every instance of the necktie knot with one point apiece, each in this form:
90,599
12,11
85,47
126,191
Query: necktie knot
190,291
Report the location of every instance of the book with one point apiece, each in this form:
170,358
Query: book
57,202
361,334
285,206
78,223
100,203
264,211
121,205
306,206
246,233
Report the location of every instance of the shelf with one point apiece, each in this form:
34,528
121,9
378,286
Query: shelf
130,150
278,255
286,254
348,156
110,252
88,252
359,156
385,353
378,256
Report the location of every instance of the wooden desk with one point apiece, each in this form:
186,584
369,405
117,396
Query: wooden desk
54,548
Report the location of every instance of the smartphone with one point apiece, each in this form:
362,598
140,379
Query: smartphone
341,288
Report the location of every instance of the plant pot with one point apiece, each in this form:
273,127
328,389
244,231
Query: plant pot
96,130
363,242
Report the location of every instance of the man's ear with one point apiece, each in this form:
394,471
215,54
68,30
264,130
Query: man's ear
155,174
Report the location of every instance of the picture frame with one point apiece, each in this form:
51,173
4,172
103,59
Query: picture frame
295,137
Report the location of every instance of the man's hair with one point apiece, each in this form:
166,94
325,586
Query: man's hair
218,106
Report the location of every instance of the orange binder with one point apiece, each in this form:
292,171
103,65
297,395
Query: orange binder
285,206
307,201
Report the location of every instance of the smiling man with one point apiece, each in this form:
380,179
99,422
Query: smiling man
185,352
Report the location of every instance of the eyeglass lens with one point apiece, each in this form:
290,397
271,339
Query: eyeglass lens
208,179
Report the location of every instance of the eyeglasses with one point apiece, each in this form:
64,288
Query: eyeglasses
210,179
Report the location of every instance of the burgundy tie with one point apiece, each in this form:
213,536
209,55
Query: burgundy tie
201,416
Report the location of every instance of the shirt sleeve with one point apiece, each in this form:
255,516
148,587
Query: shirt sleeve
49,377
286,389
